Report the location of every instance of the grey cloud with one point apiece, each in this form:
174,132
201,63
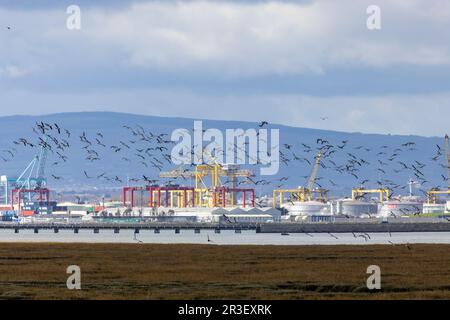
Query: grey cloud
291,63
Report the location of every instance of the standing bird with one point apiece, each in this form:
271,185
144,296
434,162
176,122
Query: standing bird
135,238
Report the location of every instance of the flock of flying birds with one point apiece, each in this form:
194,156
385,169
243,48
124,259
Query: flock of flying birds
152,152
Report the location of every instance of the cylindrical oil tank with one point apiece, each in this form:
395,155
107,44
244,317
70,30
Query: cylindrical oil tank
308,208
356,208
433,208
401,207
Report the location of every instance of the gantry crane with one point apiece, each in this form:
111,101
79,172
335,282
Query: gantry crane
213,193
433,194
447,153
304,194
33,177
312,179
31,181
384,194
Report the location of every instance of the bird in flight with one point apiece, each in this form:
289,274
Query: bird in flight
263,123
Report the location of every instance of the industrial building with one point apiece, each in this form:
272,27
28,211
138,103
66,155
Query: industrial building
200,215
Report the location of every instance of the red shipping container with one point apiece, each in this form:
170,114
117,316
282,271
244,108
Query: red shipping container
26,213
98,209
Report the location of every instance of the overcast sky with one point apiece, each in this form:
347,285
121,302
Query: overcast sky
289,62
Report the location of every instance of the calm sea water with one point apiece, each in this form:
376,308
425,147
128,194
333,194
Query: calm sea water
224,238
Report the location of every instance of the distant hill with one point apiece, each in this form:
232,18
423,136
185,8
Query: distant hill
376,149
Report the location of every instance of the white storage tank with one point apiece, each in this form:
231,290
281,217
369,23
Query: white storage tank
357,208
434,208
406,206
308,208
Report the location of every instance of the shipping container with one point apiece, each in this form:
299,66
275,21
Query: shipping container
8,213
78,213
60,212
27,213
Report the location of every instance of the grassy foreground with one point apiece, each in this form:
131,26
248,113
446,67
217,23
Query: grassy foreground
109,271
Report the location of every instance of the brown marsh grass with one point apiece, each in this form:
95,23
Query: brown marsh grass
141,271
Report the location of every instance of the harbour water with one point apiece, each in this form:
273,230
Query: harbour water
224,238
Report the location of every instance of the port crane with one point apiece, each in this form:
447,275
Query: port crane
447,153
433,194
304,194
213,193
384,194
312,178
31,181
33,177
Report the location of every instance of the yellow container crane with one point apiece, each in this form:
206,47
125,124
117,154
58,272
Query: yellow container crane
384,194
307,193
214,172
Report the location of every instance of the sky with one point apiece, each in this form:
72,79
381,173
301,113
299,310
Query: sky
310,63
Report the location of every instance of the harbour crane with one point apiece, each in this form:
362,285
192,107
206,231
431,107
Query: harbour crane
384,194
447,153
31,181
304,194
211,195
312,178
33,177
433,194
